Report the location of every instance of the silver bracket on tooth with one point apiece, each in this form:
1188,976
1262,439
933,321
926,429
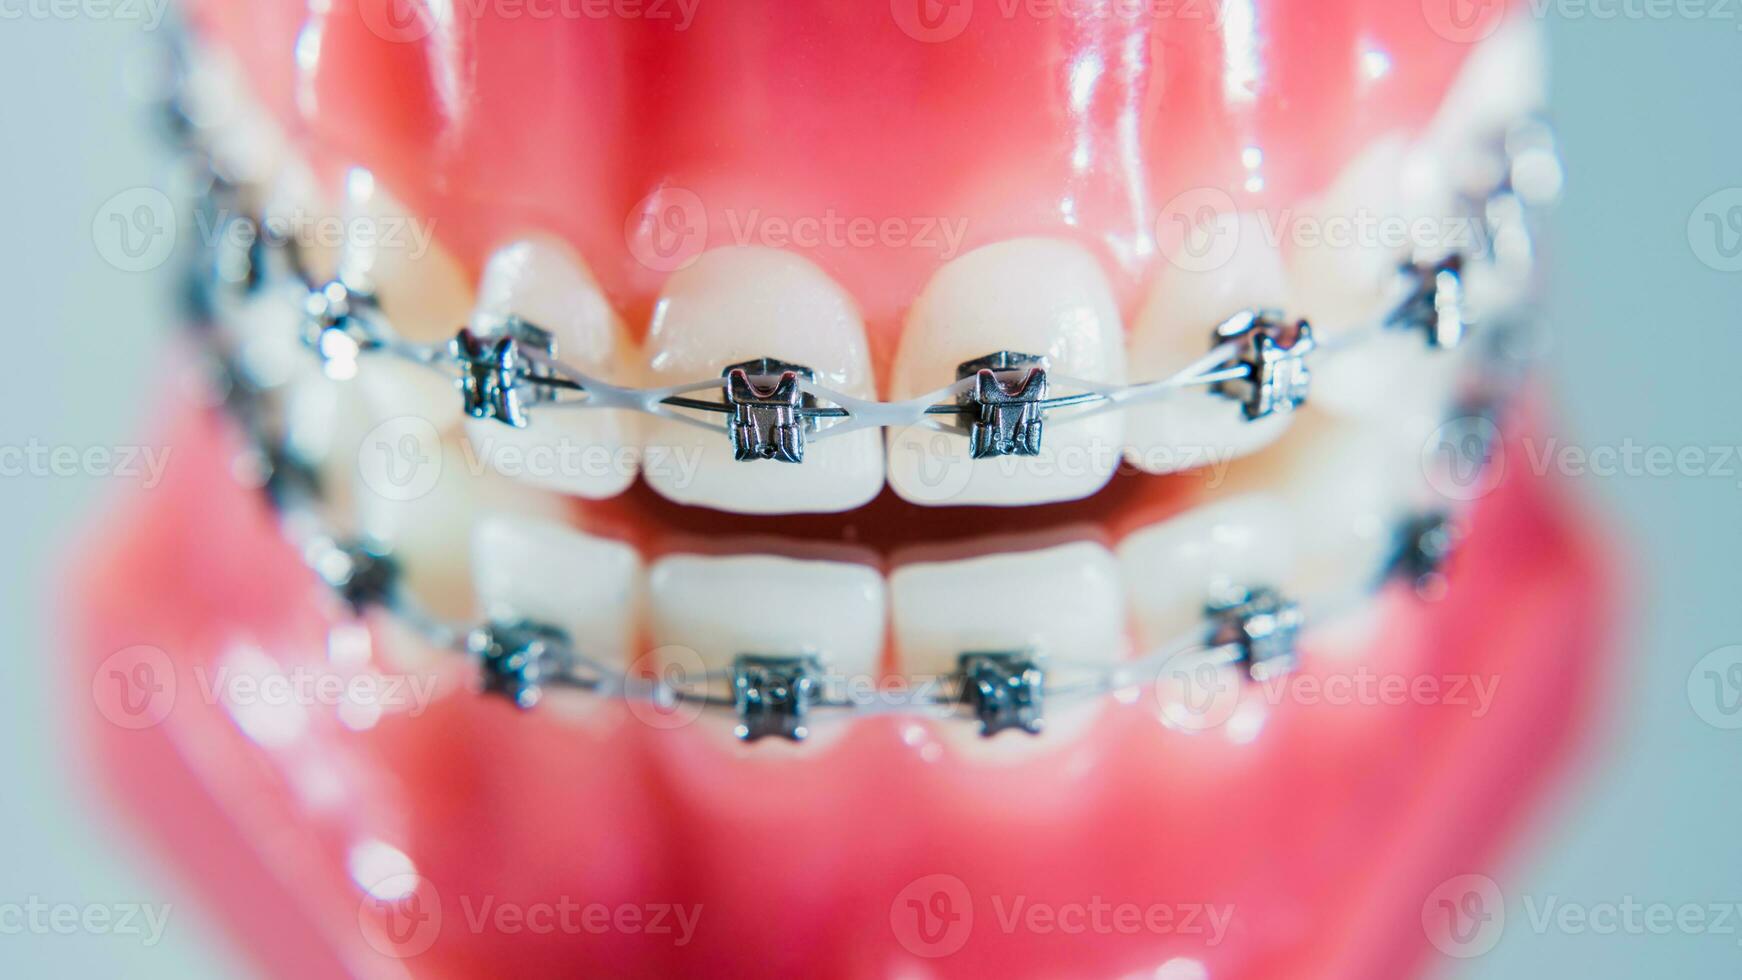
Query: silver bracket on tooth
773,695
494,370
1273,352
363,574
1263,626
516,658
1006,415
1425,543
1435,304
1004,690
766,420
337,327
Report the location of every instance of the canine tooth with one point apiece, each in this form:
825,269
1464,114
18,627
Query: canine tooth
1175,568
540,570
722,606
739,304
1194,426
1034,296
585,452
421,289
1064,603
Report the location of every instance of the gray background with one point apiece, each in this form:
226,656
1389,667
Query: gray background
1648,351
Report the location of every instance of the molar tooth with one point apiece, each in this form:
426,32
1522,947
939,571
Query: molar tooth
722,606
1194,426
1033,296
1175,568
742,303
543,571
586,452
1063,603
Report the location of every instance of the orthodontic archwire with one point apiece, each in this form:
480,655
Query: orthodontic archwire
1257,357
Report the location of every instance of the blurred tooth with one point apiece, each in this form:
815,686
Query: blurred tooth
1503,80
543,571
585,452
1032,296
1195,427
301,209
720,607
1344,488
739,304
423,292
1064,603
422,288
419,494
1174,569
1341,266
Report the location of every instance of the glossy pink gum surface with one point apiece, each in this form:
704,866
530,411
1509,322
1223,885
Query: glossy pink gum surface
642,144
1325,834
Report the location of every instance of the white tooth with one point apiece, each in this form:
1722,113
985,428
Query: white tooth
1345,487
1032,296
420,494
300,209
1392,204
1386,373
586,452
267,329
1174,569
1348,242
1065,603
739,304
1194,426
421,287
326,422
720,607
586,586
1503,80
423,292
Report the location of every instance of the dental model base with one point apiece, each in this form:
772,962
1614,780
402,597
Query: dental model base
509,371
